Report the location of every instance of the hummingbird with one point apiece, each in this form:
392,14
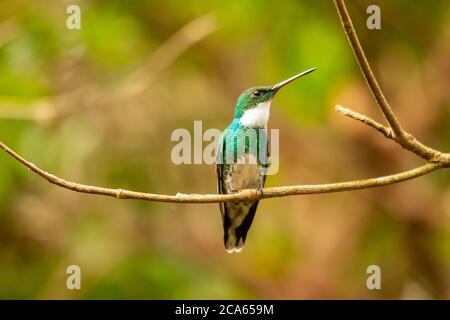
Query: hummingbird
241,165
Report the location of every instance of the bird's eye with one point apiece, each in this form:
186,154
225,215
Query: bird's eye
256,94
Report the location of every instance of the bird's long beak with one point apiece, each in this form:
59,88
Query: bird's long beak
280,85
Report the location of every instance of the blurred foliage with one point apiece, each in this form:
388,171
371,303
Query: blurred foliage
60,108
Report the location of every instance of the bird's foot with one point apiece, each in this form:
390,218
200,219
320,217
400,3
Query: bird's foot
260,191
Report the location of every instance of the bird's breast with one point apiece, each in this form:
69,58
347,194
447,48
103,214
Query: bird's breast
246,174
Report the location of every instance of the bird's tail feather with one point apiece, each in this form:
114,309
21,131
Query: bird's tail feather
233,241
234,236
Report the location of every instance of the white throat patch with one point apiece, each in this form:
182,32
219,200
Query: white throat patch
257,116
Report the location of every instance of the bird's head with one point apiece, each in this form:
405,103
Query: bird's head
253,105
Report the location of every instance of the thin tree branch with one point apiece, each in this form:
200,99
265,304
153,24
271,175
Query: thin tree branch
244,195
386,131
405,139
366,69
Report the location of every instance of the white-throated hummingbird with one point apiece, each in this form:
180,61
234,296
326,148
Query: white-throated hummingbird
243,159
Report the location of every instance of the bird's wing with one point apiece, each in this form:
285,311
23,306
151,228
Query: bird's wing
219,172
267,161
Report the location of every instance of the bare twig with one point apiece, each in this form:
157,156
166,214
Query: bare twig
242,196
366,69
386,131
405,139
435,159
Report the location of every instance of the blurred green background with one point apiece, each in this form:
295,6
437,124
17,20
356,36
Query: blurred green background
98,106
